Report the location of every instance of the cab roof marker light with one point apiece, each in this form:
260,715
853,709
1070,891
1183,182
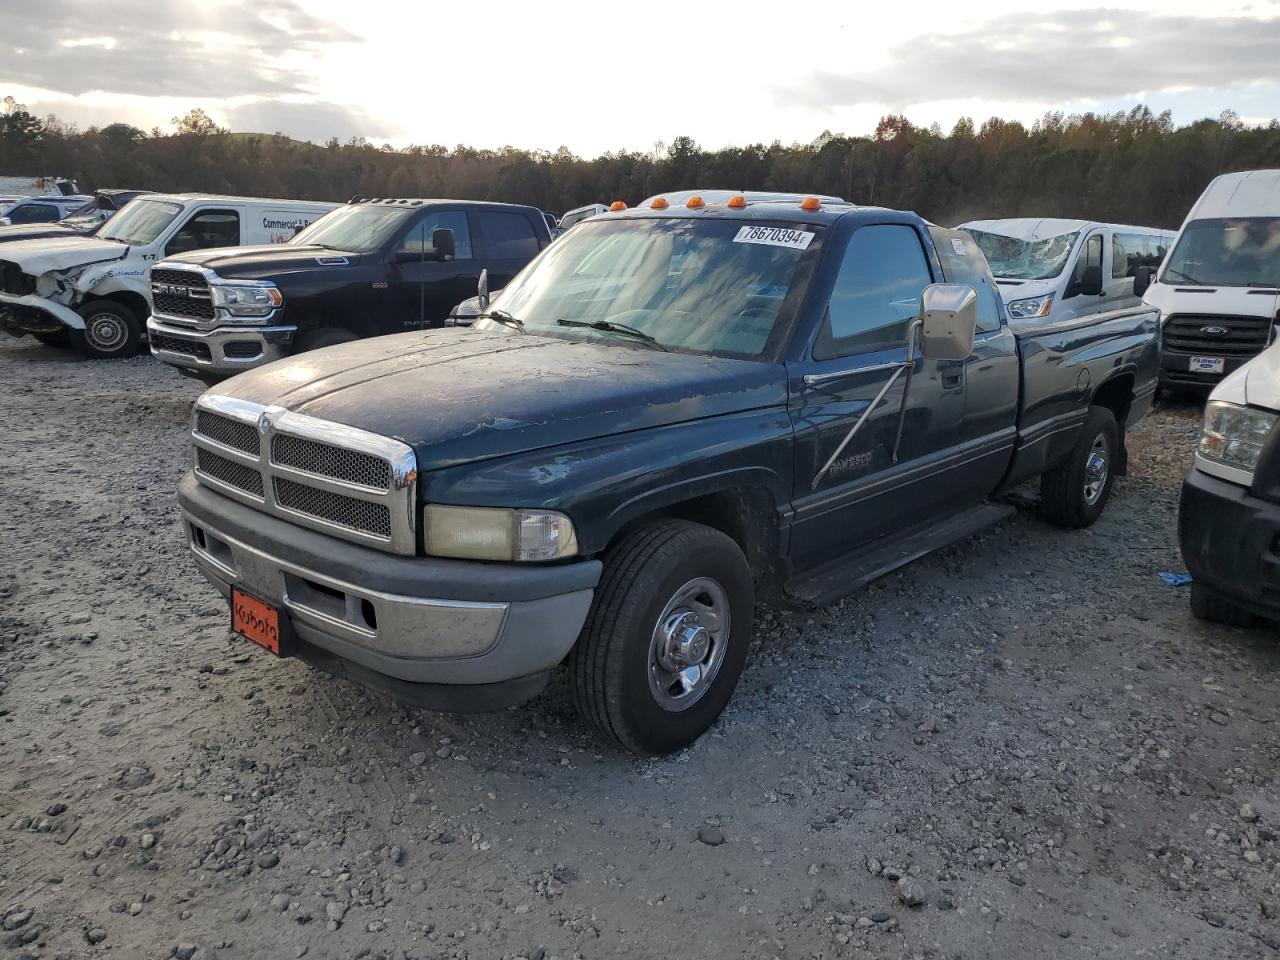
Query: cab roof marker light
659,203
695,203
616,206
737,203
810,203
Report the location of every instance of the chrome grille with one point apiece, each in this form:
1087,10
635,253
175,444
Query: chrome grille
333,507
326,460
229,472
228,432
343,481
1244,336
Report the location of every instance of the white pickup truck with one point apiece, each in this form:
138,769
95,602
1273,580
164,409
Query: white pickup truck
94,290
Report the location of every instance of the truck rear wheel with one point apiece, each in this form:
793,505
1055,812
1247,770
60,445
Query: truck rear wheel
1209,605
666,639
1074,492
110,331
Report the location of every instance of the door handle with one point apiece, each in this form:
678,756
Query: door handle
952,380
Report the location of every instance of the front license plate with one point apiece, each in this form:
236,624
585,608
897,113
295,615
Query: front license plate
1207,365
255,620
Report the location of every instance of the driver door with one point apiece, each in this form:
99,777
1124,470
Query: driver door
1076,302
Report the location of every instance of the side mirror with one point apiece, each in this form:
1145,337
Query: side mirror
949,320
1142,278
1089,284
442,243
482,288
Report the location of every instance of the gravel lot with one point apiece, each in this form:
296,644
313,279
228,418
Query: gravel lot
1028,729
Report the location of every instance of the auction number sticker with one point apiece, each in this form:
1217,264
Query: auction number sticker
775,237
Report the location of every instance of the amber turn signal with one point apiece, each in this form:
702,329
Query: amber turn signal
695,202
616,206
659,203
810,203
737,203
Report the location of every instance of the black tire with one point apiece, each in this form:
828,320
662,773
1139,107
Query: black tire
619,680
324,337
1209,605
54,338
111,331
1071,494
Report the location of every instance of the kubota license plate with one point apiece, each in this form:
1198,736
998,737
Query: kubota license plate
256,621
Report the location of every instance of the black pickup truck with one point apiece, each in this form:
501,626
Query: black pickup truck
372,267
671,413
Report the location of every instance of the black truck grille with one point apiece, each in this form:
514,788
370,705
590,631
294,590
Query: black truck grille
188,348
13,281
1198,334
181,293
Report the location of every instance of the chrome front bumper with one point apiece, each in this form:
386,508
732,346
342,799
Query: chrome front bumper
205,351
401,617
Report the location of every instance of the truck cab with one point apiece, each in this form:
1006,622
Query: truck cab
1218,292
370,268
1052,270
93,291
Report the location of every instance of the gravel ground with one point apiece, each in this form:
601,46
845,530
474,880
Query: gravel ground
1020,747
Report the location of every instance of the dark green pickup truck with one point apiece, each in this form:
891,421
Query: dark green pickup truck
672,412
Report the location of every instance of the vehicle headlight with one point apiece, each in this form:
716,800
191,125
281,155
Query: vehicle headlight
1030,308
489,533
1233,435
246,300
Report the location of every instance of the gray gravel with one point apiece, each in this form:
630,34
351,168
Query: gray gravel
1021,747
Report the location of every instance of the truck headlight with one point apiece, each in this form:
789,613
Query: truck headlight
489,533
1233,435
246,300
1030,308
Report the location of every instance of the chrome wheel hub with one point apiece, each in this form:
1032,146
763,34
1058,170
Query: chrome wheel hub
1096,469
688,644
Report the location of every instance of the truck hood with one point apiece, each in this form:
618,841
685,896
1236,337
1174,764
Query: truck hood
459,395
265,260
61,253
1261,380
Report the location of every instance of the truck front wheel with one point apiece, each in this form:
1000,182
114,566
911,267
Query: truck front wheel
666,639
110,331
1074,492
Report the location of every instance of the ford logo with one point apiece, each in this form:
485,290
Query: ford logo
1214,331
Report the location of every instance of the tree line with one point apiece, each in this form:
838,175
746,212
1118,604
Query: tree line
1131,166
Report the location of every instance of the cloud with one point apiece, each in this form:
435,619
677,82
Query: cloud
151,48
1058,56
308,121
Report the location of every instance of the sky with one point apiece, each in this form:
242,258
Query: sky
597,77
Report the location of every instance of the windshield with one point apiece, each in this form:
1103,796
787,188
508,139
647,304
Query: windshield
1015,259
1234,252
708,286
140,222
359,228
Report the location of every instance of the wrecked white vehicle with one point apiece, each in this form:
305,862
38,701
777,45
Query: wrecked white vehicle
94,291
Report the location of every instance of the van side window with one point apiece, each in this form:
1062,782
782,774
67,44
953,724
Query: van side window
507,236
877,292
418,240
1130,251
963,262
1090,256
208,228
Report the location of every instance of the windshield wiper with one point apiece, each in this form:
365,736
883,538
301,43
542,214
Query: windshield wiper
1185,276
503,317
609,326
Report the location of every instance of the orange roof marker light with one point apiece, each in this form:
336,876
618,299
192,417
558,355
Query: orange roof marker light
616,206
695,203
810,203
737,203
659,203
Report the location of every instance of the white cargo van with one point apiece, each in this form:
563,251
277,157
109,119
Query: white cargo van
1051,270
1219,289
38,186
94,290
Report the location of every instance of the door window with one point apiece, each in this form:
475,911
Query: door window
963,262
507,236
877,292
34,213
1090,256
418,239
208,228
